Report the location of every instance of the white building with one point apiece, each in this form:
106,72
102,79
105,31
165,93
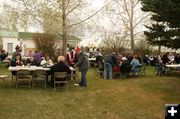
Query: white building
25,40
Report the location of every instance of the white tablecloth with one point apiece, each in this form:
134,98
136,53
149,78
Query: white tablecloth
173,65
92,59
31,68
34,68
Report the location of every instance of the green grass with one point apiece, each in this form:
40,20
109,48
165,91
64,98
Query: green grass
134,98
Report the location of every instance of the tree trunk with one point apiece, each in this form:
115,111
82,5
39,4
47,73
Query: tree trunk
132,35
132,39
132,28
159,49
64,27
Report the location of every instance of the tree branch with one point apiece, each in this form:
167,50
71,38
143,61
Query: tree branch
141,20
67,4
126,9
73,8
89,16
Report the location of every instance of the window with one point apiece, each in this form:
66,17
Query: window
10,48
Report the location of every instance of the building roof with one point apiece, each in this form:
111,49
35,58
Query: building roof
30,35
10,34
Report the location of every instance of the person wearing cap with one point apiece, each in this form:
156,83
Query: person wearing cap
83,65
125,67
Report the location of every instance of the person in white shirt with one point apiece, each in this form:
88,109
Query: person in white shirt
47,61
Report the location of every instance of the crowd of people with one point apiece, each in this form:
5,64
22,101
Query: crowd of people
108,63
75,57
124,64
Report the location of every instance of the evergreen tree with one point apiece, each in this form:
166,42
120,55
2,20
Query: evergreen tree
165,28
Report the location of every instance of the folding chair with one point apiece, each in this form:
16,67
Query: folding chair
23,76
39,75
62,79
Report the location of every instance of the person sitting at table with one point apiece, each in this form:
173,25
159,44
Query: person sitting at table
134,63
3,55
16,62
38,57
61,66
177,58
47,62
32,62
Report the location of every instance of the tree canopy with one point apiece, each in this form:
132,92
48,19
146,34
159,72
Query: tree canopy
165,28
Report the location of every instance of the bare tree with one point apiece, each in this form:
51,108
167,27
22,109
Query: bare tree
12,19
62,9
130,17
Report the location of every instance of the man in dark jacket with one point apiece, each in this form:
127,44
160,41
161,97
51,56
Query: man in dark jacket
61,66
83,65
125,67
109,62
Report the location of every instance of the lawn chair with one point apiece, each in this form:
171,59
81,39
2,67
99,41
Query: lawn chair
136,70
60,75
159,70
23,76
39,75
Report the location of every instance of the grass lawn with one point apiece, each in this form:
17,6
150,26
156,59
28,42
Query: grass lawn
138,98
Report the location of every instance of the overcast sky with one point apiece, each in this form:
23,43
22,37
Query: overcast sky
104,21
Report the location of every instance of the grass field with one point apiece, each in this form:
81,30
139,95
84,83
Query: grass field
136,98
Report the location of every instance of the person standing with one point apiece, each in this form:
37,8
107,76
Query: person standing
18,51
83,65
110,61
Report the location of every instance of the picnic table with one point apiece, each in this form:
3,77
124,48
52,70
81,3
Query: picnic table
173,66
34,68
